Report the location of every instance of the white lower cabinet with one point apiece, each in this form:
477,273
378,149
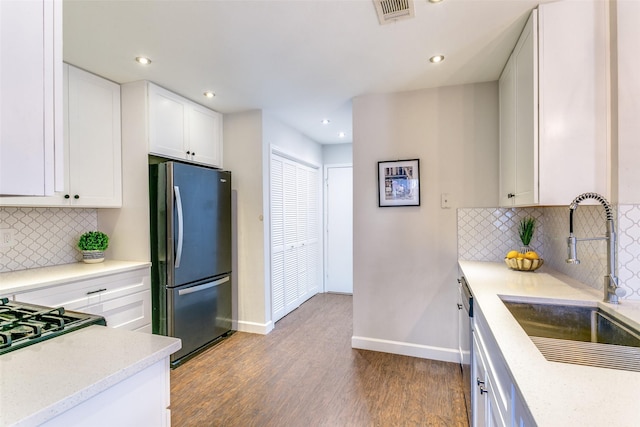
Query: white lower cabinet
140,400
123,299
495,398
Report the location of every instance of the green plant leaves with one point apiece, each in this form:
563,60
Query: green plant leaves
525,230
93,241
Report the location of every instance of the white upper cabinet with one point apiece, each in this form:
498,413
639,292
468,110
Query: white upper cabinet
93,142
92,172
30,95
181,129
554,142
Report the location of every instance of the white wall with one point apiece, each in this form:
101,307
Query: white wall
248,138
129,227
243,157
333,154
290,141
405,258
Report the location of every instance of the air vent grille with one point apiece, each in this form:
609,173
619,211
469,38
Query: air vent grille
393,10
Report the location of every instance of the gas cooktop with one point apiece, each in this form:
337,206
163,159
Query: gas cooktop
24,324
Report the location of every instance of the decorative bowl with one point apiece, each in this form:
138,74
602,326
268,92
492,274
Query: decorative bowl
524,264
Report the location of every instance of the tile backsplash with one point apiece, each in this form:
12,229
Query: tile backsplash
487,234
44,236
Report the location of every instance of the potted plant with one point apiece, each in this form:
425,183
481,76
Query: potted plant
525,231
93,244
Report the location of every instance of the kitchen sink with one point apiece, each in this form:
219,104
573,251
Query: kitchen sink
579,334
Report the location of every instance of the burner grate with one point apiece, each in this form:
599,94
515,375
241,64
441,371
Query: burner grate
23,324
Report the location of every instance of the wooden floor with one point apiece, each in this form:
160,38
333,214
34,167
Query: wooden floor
305,373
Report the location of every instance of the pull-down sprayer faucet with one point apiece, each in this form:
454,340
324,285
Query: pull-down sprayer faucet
611,289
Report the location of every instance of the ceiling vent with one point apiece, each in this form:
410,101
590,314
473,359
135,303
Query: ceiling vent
393,10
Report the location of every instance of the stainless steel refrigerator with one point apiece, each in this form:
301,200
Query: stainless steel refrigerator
190,254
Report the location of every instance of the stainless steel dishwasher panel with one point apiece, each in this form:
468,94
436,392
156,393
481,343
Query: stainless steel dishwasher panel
199,314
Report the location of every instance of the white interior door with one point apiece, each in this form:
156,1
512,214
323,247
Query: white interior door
339,232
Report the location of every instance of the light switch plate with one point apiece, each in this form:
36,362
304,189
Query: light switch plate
445,201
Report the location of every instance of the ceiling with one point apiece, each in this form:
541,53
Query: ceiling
299,60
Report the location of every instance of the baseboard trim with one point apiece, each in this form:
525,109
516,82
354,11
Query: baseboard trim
254,328
406,349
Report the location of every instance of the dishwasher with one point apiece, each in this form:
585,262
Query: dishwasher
465,339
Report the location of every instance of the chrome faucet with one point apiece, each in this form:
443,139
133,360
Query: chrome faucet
612,291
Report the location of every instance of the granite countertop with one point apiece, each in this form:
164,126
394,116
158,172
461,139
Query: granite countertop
15,282
557,394
43,380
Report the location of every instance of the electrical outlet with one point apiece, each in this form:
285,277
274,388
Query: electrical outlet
7,237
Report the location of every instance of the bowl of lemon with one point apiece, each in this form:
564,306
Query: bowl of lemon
527,261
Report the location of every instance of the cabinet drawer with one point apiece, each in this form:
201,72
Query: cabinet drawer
128,312
87,292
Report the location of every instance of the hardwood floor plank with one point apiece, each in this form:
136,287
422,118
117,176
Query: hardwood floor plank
305,373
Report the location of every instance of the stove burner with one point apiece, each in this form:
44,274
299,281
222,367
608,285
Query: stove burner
23,324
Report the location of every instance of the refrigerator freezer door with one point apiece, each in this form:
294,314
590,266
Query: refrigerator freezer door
205,228
199,314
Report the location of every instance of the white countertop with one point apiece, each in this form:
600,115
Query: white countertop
77,366
557,394
15,282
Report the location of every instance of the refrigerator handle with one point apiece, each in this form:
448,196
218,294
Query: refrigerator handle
178,199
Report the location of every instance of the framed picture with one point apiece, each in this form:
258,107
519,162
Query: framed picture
399,183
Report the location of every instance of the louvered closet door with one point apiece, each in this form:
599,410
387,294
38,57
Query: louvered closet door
295,256
277,239
313,259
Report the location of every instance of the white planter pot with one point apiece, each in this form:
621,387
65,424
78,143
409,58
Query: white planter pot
92,257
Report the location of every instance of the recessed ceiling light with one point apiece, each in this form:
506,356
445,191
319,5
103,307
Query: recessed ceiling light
437,58
325,121
209,94
435,1
341,134
142,60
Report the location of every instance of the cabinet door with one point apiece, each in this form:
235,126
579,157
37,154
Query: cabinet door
526,115
95,171
205,135
519,121
167,123
479,399
574,76
29,95
507,90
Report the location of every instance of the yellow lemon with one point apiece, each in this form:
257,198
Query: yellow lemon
520,255
531,255
512,254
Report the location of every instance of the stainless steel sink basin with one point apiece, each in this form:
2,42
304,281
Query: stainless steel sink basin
579,334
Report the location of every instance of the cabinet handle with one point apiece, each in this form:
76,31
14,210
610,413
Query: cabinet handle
481,385
66,196
188,152
511,195
95,292
193,153
459,306
76,197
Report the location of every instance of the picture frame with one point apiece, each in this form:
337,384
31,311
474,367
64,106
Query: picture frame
399,183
